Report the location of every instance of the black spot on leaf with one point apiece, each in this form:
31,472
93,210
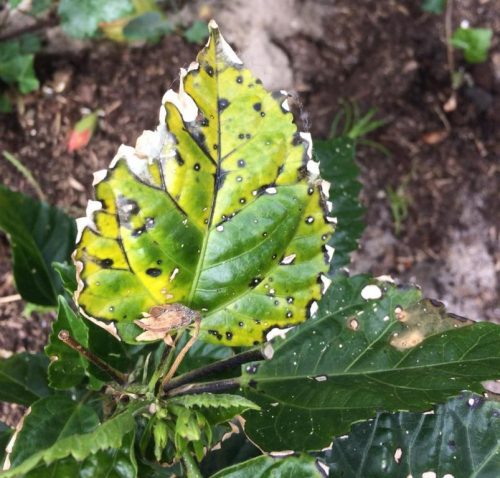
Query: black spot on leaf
255,281
222,104
257,106
241,163
215,334
229,335
197,167
106,263
239,79
153,272
209,69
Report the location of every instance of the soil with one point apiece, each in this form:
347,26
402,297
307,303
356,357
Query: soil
385,54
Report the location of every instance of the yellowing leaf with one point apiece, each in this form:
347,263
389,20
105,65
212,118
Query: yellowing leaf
216,210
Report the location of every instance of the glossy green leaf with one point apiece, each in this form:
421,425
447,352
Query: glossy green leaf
80,19
266,466
148,26
475,43
67,368
110,463
216,210
39,235
217,408
50,420
197,32
16,63
23,378
67,274
58,428
231,451
434,6
5,435
338,166
372,347
461,438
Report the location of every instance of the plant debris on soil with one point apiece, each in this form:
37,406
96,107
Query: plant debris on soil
384,54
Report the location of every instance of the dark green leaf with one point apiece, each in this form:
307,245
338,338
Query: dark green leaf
23,378
235,449
475,43
338,166
361,355
39,234
50,420
67,274
434,6
5,434
201,354
60,429
67,368
110,463
461,438
197,32
81,18
16,62
5,103
217,408
14,3
148,26
266,466
39,6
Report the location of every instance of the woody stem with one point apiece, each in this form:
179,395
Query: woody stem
116,375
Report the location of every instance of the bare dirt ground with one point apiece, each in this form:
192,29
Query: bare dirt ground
380,53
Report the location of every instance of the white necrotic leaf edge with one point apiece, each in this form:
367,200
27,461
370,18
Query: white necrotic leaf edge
158,144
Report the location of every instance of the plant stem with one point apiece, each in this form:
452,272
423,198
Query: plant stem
192,470
217,386
254,355
183,352
116,375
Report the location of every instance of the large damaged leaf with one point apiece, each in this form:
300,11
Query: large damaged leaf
372,347
220,209
459,438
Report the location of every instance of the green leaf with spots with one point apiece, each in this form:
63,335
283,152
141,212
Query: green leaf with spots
460,438
372,347
220,209
302,466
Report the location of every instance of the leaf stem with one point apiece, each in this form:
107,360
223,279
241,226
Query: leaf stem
192,470
183,352
262,353
116,375
217,386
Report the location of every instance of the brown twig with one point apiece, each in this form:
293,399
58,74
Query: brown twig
116,375
183,352
263,353
217,386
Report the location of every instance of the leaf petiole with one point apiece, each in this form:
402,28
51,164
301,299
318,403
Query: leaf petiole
116,375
